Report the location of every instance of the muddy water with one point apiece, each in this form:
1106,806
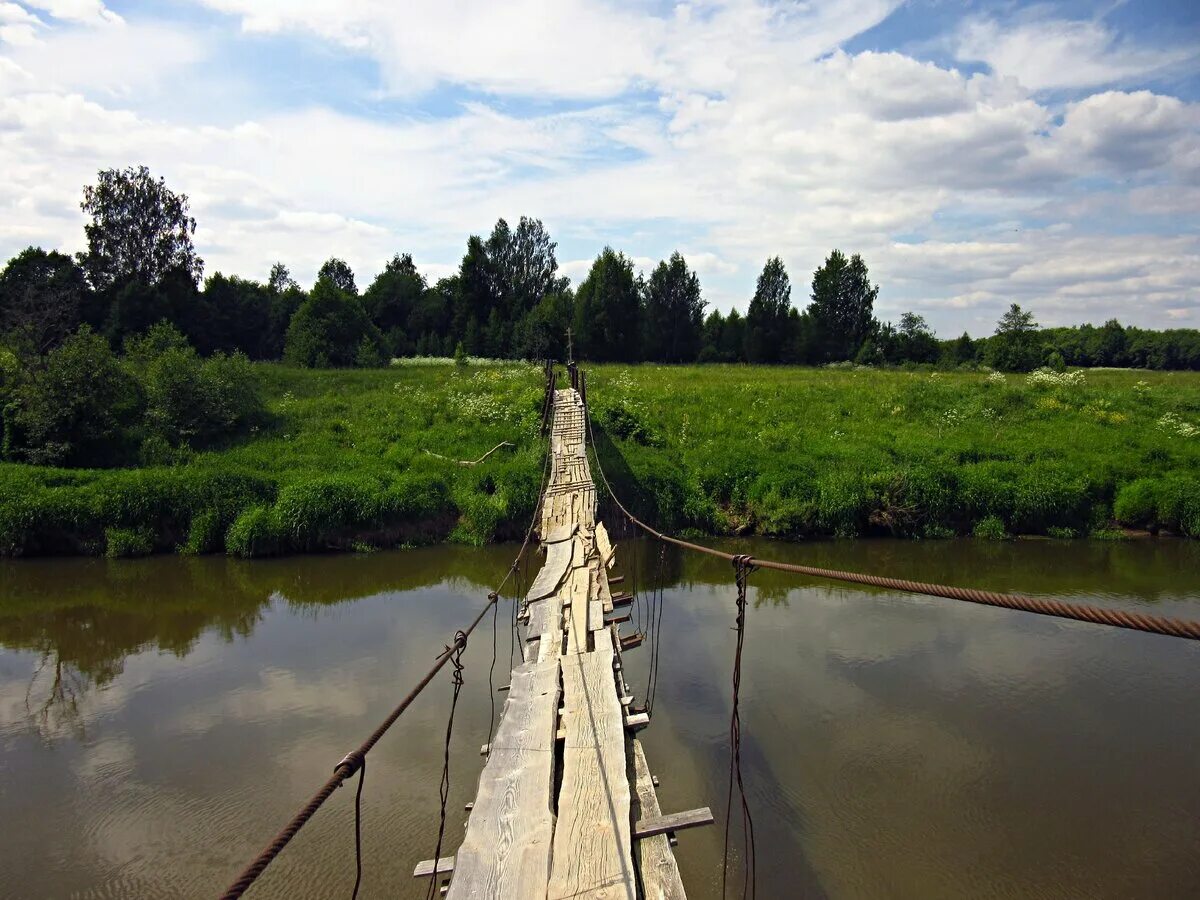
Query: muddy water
160,719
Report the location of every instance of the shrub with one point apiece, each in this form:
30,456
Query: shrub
328,329
122,542
991,529
1179,504
77,410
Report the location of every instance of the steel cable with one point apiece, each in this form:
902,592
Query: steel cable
1079,612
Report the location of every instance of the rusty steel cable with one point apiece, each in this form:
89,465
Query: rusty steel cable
1164,625
354,760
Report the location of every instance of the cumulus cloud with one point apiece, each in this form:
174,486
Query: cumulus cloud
731,130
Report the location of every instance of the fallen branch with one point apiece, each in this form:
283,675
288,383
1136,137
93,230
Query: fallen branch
464,462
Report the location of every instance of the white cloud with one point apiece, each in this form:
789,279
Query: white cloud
88,12
752,135
1045,53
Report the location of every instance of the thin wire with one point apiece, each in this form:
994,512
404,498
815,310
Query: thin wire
491,671
362,776
742,569
460,641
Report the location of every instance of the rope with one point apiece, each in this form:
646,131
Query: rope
460,643
742,568
1079,612
355,760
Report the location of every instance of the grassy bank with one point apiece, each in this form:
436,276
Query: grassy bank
341,463
797,452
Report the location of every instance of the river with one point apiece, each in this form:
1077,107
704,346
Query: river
161,718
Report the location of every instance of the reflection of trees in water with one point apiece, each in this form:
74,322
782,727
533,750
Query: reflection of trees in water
84,618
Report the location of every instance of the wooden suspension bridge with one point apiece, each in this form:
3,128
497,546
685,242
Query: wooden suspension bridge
566,806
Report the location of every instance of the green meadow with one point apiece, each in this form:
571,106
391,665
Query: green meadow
366,458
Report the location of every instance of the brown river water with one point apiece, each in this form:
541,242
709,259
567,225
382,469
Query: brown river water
160,720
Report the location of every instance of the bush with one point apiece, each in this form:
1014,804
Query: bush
77,410
329,329
991,529
122,542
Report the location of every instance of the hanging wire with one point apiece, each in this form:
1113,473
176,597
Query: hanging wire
362,776
742,569
491,673
460,642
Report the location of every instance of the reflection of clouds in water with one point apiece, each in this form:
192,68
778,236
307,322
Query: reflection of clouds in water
279,693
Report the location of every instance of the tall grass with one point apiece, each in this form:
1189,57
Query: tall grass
797,452
722,449
342,463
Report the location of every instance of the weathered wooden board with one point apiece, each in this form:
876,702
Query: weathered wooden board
655,861
592,842
604,545
558,560
506,852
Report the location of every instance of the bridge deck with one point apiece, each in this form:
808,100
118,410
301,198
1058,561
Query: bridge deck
565,779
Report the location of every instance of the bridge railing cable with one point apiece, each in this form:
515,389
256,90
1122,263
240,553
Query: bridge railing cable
356,759
1080,612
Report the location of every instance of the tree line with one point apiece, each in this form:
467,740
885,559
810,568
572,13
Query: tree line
507,300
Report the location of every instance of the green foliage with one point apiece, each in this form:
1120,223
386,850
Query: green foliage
76,410
328,329
124,542
1017,346
1136,503
991,528
672,312
607,309
43,299
767,315
843,303
256,532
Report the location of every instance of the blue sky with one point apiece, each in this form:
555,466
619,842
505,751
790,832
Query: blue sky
975,153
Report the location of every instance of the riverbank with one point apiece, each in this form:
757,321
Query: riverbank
361,459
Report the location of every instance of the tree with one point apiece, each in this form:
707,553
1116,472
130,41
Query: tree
1016,346
340,275
474,296
280,279
328,329
914,341
522,266
391,300
232,314
767,316
43,299
672,312
843,302
140,231
1111,344
607,307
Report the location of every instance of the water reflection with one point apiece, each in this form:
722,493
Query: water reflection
160,718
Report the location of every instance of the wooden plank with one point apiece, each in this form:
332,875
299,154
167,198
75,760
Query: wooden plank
577,623
655,861
510,832
592,854
603,544
559,534
637,720
425,868
691,818
558,560
603,591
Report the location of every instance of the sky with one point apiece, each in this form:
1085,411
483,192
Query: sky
976,154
